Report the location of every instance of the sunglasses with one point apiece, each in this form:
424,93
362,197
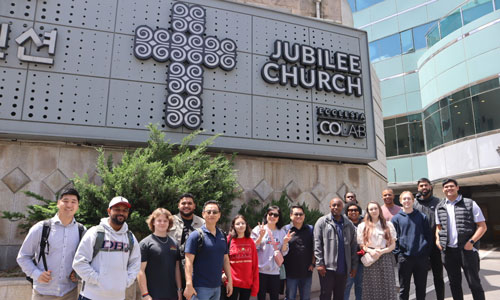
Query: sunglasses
298,214
211,212
352,210
273,215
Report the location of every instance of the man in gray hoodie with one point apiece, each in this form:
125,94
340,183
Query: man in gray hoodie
335,251
108,258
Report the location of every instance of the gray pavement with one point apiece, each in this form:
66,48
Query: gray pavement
490,279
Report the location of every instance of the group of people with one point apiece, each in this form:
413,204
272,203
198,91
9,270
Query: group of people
187,256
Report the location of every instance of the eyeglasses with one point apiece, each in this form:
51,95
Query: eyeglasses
211,212
273,215
352,210
298,214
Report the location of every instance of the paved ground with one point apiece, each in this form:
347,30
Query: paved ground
490,279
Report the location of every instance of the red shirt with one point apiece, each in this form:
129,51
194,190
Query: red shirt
244,264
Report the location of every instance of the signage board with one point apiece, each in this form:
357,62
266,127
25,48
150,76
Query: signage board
269,82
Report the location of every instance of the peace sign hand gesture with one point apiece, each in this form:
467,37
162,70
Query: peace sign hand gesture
262,230
288,236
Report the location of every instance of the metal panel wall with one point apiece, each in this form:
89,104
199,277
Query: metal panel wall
98,91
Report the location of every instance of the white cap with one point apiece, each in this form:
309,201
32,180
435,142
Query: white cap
118,200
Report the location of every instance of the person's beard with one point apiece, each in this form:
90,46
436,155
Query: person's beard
116,221
187,215
426,193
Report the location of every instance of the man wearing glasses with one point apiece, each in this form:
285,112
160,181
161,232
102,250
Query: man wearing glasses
107,260
206,255
299,262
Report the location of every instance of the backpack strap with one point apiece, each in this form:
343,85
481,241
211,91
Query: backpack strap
201,239
81,229
98,240
44,241
130,241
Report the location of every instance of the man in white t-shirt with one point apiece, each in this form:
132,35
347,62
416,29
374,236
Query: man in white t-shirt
460,224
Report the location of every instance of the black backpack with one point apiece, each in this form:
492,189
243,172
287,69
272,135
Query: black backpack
44,241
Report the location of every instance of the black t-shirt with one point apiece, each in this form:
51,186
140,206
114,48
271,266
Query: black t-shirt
300,252
161,254
186,230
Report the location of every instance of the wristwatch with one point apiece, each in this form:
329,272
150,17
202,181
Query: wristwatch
472,242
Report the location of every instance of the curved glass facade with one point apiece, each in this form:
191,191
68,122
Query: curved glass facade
467,112
462,16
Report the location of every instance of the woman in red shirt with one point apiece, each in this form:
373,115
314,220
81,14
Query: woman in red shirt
243,259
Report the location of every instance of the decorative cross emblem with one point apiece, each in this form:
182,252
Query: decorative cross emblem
187,49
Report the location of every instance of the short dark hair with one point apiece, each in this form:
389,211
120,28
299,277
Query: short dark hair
211,202
70,191
296,206
423,179
279,224
448,180
185,195
352,203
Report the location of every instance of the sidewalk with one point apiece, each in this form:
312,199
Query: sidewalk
490,279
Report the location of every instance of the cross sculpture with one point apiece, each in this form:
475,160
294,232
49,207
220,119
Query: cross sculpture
187,48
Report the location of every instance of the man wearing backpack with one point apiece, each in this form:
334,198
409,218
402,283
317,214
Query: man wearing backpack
206,255
108,258
47,252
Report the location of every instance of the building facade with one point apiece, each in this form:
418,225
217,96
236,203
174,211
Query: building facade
75,76
438,65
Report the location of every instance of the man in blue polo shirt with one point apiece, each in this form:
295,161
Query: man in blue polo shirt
204,262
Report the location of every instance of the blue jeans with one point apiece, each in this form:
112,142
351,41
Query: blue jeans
357,281
304,285
206,293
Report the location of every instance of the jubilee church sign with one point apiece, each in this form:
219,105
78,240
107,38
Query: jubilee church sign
271,83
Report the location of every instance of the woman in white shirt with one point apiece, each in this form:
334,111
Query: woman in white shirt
377,237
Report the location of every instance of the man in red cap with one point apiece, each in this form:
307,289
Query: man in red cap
106,259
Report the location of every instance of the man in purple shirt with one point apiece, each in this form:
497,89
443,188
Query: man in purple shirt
389,209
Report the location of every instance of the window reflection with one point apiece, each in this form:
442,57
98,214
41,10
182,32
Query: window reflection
433,135
407,42
476,9
486,108
450,23
384,48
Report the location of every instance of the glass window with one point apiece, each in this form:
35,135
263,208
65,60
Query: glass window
450,23
391,147
497,4
443,102
446,125
407,42
434,107
433,134
352,4
384,48
415,117
416,137
485,86
486,108
462,120
476,9
433,36
362,4
403,139
401,120
419,34
460,95
389,122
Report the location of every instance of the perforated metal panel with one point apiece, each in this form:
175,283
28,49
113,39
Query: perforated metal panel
11,93
23,9
227,113
266,31
16,27
136,104
277,119
96,80
99,15
132,13
61,98
78,51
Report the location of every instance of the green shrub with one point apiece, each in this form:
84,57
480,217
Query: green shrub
149,177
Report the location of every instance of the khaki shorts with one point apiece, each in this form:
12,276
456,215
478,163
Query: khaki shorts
71,295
